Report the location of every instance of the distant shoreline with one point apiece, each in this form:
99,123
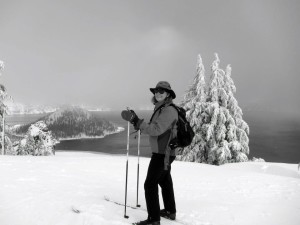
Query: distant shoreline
81,137
106,133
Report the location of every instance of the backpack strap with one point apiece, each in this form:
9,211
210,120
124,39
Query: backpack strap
158,109
175,106
161,107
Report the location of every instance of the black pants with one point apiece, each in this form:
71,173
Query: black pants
158,176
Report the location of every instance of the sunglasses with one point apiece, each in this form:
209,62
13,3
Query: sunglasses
159,90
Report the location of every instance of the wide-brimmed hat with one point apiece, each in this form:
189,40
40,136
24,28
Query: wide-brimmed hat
164,85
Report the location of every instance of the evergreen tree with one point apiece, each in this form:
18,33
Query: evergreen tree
3,110
239,141
217,119
226,132
3,94
221,133
38,141
196,92
194,104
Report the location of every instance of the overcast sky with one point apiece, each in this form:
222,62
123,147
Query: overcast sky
109,53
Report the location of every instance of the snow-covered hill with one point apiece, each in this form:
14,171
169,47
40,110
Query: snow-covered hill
43,191
75,122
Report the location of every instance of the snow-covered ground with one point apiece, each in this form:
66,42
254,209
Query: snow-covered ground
43,191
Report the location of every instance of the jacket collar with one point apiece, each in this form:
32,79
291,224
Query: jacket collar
165,103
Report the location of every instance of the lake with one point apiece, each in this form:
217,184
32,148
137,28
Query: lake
273,136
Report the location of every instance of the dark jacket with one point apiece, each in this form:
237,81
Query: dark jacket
163,125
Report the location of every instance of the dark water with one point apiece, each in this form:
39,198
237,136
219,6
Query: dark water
115,143
273,136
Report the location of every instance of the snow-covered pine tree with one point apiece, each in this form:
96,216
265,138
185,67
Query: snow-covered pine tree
2,91
4,140
216,150
225,131
2,108
196,92
238,140
216,118
3,94
38,141
194,104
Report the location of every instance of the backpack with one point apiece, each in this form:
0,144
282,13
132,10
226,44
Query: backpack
185,133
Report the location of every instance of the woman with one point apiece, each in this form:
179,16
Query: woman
161,129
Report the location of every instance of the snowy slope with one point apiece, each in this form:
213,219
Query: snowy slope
43,191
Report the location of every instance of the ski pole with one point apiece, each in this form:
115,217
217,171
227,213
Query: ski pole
125,216
138,170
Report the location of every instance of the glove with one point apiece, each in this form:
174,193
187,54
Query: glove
130,115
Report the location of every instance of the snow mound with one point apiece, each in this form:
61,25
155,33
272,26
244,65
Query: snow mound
277,169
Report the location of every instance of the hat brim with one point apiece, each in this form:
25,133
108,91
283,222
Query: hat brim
171,92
